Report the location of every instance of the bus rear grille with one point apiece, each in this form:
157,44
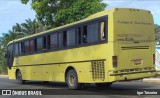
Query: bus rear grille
135,47
98,71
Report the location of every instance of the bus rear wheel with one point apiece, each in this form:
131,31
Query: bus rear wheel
19,77
72,80
103,85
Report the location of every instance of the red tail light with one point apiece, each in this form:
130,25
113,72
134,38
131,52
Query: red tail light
153,58
114,61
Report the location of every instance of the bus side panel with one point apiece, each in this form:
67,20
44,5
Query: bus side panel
35,67
11,73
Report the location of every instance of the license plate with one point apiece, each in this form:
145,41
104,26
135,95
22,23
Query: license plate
137,62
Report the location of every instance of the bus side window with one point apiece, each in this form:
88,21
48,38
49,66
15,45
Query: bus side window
35,45
84,34
92,32
31,45
64,38
71,37
26,44
22,48
102,30
48,42
39,44
78,33
54,41
59,39
16,50
10,55
44,43
9,51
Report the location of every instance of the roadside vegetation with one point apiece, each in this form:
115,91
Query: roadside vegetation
157,34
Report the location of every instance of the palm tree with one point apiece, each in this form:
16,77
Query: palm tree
4,40
157,28
31,27
17,31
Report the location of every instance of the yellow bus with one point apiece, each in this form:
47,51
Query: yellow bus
106,47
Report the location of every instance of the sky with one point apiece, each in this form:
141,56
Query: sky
12,11
151,5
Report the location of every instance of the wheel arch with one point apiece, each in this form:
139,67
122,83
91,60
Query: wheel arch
16,72
66,71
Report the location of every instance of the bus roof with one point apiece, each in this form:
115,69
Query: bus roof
96,15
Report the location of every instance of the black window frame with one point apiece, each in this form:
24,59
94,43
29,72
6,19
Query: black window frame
59,31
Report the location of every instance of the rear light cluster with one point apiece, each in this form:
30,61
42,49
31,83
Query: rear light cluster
114,61
153,58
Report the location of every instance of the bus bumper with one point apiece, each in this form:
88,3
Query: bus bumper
127,76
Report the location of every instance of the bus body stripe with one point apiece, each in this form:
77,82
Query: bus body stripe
59,63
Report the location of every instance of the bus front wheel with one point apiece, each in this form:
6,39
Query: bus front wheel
72,80
19,77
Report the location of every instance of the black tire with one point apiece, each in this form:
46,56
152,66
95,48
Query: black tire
103,85
19,77
72,80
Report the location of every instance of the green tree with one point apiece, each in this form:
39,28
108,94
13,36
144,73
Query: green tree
157,28
52,13
6,37
17,31
31,27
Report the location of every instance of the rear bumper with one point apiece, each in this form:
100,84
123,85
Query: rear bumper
126,73
126,76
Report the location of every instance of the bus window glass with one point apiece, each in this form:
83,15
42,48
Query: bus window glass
44,42
16,49
92,34
22,48
85,34
48,42
78,31
35,44
71,36
39,44
26,46
65,38
102,30
31,45
54,41
10,51
60,41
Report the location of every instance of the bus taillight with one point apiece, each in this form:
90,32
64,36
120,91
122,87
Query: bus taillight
153,58
114,61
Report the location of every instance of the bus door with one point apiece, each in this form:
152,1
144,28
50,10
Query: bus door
10,56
